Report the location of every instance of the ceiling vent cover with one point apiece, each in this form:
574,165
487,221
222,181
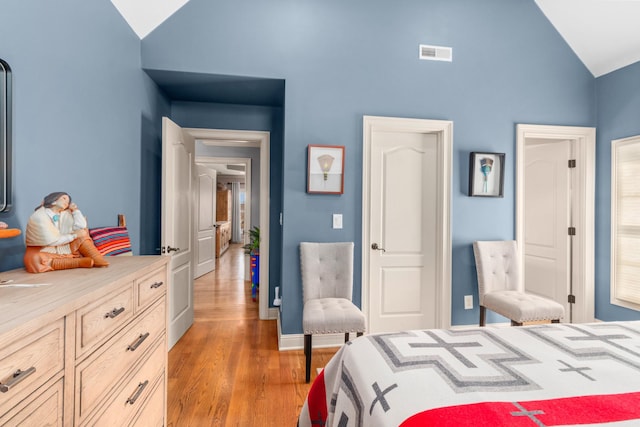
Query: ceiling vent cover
436,53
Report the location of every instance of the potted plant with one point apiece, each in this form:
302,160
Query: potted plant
253,250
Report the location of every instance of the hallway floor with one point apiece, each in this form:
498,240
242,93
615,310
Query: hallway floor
227,370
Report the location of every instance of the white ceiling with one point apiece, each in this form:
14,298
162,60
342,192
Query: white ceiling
605,34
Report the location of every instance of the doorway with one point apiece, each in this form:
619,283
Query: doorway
555,196
406,238
249,139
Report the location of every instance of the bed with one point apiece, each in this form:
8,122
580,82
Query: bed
539,375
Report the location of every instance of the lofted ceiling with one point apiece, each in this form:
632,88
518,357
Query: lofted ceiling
603,33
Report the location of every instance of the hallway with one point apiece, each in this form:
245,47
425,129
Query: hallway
227,370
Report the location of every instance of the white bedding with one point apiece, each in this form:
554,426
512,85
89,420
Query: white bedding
543,375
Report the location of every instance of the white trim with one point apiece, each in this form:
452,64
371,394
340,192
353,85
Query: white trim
226,137
246,161
584,201
444,131
616,143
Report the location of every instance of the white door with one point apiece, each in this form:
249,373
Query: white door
547,218
407,179
178,149
206,220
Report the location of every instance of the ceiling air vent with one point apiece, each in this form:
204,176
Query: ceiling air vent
436,53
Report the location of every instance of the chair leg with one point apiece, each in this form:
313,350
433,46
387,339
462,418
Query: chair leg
346,337
483,315
307,355
359,334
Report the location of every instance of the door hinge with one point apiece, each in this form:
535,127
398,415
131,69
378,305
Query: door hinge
572,231
572,299
572,163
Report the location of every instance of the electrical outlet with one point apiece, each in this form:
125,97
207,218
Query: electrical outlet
468,302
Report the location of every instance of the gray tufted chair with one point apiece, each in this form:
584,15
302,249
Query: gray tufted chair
327,286
501,288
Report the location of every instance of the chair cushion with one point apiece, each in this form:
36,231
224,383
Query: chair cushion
522,307
331,315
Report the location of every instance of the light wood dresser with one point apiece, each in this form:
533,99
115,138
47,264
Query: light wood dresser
86,348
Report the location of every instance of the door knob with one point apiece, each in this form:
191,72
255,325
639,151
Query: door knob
170,249
377,248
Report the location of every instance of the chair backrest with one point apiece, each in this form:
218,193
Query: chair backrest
498,267
327,270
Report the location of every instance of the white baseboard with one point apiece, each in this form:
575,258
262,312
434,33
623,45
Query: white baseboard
296,341
273,313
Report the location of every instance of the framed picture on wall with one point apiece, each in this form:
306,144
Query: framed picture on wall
325,169
486,174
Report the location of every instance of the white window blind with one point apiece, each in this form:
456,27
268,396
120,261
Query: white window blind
625,222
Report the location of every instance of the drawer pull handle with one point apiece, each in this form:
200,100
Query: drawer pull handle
157,285
137,393
139,341
113,313
16,378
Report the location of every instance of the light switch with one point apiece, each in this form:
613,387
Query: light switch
337,220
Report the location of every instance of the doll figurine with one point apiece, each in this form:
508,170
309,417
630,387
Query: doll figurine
57,237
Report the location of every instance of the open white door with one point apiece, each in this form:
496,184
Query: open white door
547,213
178,150
205,258
551,143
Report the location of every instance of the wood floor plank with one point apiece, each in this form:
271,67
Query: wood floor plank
227,370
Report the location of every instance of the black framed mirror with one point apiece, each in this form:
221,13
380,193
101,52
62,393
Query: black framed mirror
5,137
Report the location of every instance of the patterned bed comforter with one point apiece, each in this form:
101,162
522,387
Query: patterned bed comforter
543,375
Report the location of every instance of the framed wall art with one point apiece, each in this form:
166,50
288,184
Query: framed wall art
325,169
486,174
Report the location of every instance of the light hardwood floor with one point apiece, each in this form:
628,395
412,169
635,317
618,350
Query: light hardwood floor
227,370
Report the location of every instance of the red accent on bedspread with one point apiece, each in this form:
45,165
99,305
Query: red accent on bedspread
553,412
317,400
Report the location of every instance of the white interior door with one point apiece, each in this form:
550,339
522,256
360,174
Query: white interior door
206,220
178,149
547,218
406,285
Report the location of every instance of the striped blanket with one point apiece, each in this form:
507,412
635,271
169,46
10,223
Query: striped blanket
542,375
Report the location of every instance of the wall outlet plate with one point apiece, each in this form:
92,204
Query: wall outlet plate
468,302
337,220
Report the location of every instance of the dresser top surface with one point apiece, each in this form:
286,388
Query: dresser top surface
28,296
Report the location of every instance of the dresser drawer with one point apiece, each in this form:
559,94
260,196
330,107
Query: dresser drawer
150,288
152,412
101,372
44,410
97,320
28,363
129,398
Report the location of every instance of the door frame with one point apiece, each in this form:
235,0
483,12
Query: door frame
261,140
210,160
444,132
583,200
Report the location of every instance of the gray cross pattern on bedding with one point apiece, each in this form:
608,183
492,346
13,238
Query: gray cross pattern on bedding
551,374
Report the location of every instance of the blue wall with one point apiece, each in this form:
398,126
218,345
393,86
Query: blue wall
618,102
80,95
342,60
85,115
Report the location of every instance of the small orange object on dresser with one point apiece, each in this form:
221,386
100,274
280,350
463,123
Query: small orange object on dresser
6,232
